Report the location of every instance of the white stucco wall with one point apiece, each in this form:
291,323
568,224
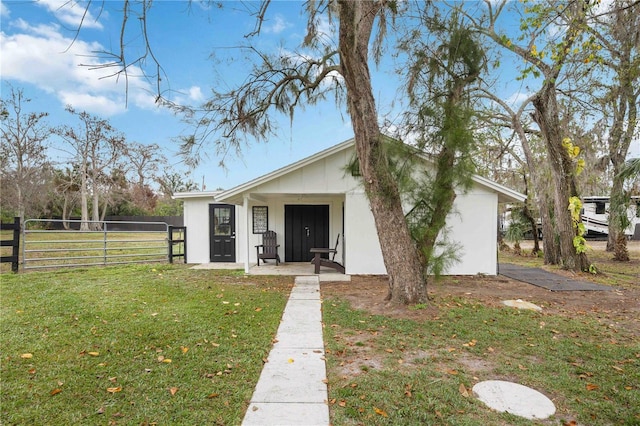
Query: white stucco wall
363,254
473,225
196,219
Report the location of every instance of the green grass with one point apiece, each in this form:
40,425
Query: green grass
93,329
387,371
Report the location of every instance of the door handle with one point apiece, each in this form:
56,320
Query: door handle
306,228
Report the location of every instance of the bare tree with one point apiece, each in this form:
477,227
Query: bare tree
95,146
145,161
25,168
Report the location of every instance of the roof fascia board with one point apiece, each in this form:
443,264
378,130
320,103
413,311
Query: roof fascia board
195,194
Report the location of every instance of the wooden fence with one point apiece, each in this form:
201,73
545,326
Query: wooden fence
14,243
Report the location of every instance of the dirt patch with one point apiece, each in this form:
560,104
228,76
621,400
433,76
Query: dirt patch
619,308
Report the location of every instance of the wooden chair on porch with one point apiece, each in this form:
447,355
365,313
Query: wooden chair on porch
269,248
318,260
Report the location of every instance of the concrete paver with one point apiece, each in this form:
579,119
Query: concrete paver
514,398
292,387
548,280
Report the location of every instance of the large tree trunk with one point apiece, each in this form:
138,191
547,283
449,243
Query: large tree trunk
549,243
407,282
546,116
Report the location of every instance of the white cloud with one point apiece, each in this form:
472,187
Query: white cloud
4,10
277,25
42,56
195,94
89,102
517,98
71,13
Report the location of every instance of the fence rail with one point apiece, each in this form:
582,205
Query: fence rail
14,243
91,243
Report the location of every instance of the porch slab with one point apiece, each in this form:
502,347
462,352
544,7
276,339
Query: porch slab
284,268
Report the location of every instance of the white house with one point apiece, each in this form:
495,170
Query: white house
308,203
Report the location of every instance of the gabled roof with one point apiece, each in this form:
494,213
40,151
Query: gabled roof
226,195
505,195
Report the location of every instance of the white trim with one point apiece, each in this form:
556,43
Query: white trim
245,205
195,194
505,195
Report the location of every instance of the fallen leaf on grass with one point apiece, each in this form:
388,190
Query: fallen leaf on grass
32,371
161,358
93,353
342,403
114,390
452,372
55,391
258,309
407,391
26,356
173,390
591,386
184,349
213,395
463,390
380,412
617,368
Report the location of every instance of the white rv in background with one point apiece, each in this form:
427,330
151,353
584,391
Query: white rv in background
595,216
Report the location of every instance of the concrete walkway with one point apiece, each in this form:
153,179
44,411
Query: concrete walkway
292,388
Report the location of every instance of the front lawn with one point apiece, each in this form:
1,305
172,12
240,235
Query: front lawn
152,344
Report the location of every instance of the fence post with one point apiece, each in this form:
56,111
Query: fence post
13,243
184,243
182,240
170,231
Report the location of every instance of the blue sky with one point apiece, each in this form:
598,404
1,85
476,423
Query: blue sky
39,54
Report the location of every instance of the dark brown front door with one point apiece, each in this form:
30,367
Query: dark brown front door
222,231
306,227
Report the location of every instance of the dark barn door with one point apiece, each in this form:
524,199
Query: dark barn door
222,233
306,227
